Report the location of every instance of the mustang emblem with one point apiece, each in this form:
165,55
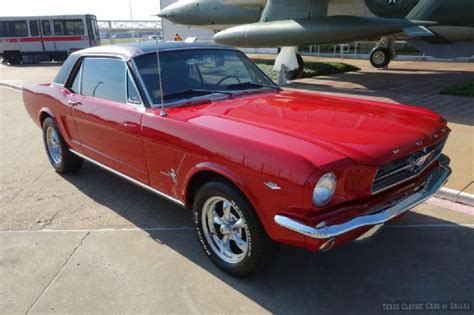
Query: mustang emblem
171,173
420,162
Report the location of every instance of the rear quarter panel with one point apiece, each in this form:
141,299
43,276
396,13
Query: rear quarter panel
48,99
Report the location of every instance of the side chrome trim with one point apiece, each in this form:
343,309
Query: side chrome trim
128,178
435,181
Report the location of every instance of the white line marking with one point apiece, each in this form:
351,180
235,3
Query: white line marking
449,225
155,229
453,206
189,228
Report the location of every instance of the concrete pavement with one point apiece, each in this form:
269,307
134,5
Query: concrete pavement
94,243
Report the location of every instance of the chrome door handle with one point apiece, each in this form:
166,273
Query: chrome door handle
74,103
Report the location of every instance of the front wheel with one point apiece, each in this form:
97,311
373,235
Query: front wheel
230,231
380,57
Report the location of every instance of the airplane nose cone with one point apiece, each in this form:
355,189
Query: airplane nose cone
166,13
175,11
234,36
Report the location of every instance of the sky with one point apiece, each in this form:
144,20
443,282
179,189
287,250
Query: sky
103,9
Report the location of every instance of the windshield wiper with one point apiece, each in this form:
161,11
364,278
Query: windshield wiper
197,97
250,85
194,92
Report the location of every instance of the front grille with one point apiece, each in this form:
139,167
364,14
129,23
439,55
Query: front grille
406,168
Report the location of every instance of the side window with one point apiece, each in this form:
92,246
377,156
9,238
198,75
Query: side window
16,29
34,29
46,27
74,27
2,30
132,92
104,78
58,27
68,27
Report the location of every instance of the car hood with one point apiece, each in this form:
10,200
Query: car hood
368,132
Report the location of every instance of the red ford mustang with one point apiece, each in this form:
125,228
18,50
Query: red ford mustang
258,165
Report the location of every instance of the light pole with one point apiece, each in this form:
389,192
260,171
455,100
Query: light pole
131,18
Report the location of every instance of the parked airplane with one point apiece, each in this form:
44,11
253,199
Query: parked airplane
440,28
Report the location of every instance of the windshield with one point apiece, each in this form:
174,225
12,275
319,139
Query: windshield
199,72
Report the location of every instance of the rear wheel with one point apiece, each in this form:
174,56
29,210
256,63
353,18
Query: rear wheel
12,57
58,153
230,231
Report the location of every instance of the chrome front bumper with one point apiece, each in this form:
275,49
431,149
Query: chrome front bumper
434,182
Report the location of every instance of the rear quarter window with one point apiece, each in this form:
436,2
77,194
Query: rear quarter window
65,70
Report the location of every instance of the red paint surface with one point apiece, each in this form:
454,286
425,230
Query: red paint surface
290,138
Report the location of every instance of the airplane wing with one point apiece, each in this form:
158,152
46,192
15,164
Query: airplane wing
294,23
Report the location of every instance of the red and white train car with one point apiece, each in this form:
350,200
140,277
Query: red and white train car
45,38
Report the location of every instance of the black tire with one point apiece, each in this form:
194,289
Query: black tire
68,162
297,73
260,248
380,57
13,57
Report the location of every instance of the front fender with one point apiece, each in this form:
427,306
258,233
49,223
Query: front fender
215,168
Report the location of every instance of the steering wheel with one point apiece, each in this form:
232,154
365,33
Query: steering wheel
228,77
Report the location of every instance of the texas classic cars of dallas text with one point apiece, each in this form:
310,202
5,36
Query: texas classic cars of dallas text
258,165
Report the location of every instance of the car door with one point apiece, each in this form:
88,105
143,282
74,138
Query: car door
107,111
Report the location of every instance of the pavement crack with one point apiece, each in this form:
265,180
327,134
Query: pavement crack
56,275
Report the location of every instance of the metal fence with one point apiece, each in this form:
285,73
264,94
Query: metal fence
126,31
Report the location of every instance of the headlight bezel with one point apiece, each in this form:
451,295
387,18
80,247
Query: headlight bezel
325,189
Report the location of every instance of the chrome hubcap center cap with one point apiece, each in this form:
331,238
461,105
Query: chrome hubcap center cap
225,229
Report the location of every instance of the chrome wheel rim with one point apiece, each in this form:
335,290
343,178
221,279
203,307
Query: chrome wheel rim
225,229
379,57
54,145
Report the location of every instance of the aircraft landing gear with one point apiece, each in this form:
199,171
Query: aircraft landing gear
383,53
288,64
380,57
297,73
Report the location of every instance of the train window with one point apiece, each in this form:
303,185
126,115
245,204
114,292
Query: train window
34,29
2,30
92,28
14,29
46,27
68,27
58,27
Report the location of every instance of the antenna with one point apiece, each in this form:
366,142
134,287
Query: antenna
160,85
162,111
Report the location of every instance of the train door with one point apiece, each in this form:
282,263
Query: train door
47,35
35,42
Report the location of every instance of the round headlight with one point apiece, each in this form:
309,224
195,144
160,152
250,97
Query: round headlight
324,189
